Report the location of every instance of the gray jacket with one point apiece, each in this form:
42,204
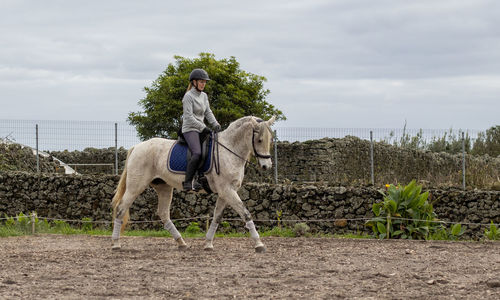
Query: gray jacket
195,109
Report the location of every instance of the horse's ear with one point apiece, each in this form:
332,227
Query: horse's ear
270,122
254,122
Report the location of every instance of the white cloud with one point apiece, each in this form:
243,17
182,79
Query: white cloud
359,63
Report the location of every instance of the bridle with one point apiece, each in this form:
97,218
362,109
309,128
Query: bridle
257,154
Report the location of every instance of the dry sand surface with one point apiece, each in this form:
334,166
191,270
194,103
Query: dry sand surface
84,267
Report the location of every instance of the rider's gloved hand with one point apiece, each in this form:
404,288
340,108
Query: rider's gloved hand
206,131
217,128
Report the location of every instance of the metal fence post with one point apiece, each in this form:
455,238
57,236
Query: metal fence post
33,220
37,156
463,161
275,157
116,148
371,158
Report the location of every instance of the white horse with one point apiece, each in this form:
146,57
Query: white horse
146,165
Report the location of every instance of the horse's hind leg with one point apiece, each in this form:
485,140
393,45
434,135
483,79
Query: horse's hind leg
165,192
122,211
219,208
235,202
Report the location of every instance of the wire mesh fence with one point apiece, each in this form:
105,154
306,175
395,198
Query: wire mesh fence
389,135
79,135
69,135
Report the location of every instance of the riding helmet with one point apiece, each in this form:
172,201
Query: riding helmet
198,74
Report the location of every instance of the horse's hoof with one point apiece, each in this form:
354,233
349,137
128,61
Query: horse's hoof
182,247
260,249
116,247
208,246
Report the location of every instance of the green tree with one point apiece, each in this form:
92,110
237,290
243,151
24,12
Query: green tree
488,143
232,92
450,143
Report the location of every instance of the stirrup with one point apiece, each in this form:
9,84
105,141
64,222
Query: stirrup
196,185
191,186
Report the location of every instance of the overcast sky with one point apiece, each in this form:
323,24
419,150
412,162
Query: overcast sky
361,64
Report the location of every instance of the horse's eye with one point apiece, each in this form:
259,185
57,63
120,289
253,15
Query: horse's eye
260,140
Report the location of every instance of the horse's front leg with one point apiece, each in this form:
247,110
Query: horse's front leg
235,202
219,208
165,192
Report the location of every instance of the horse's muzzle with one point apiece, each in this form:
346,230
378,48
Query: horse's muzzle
265,164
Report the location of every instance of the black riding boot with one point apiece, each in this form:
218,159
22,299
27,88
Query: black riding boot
189,183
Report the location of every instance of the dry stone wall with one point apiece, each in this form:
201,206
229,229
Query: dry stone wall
93,156
343,161
346,161
76,197
15,157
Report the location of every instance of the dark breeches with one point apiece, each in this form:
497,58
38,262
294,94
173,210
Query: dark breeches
193,140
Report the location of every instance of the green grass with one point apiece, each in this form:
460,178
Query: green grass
21,226
354,236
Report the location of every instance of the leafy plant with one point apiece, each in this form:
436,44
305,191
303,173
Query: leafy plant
86,224
193,228
456,231
225,227
9,221
404,213
22,220
444,233
279,214
279,231
63,227
493,234
301,229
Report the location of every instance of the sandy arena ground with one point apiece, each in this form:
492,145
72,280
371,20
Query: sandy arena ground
84,267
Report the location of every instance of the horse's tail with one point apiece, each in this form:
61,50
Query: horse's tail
120,190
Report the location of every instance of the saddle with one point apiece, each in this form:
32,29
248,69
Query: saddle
180,154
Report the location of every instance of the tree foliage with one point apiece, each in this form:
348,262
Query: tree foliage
488,143
232,93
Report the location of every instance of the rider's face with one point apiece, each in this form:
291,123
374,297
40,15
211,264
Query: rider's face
200,84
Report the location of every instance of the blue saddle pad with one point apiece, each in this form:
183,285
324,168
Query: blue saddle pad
177,160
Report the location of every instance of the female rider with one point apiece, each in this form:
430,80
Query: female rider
195,110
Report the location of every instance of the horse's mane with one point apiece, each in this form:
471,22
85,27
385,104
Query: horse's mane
236,124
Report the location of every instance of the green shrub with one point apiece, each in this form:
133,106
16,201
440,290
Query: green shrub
43,226
279,214
9,222
456,231
279,231
22,221
301,229
493,233
443,233
62,227
87,224
193,228
488,142
404,213
225,227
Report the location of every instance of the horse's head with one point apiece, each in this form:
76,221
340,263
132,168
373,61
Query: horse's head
261,141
